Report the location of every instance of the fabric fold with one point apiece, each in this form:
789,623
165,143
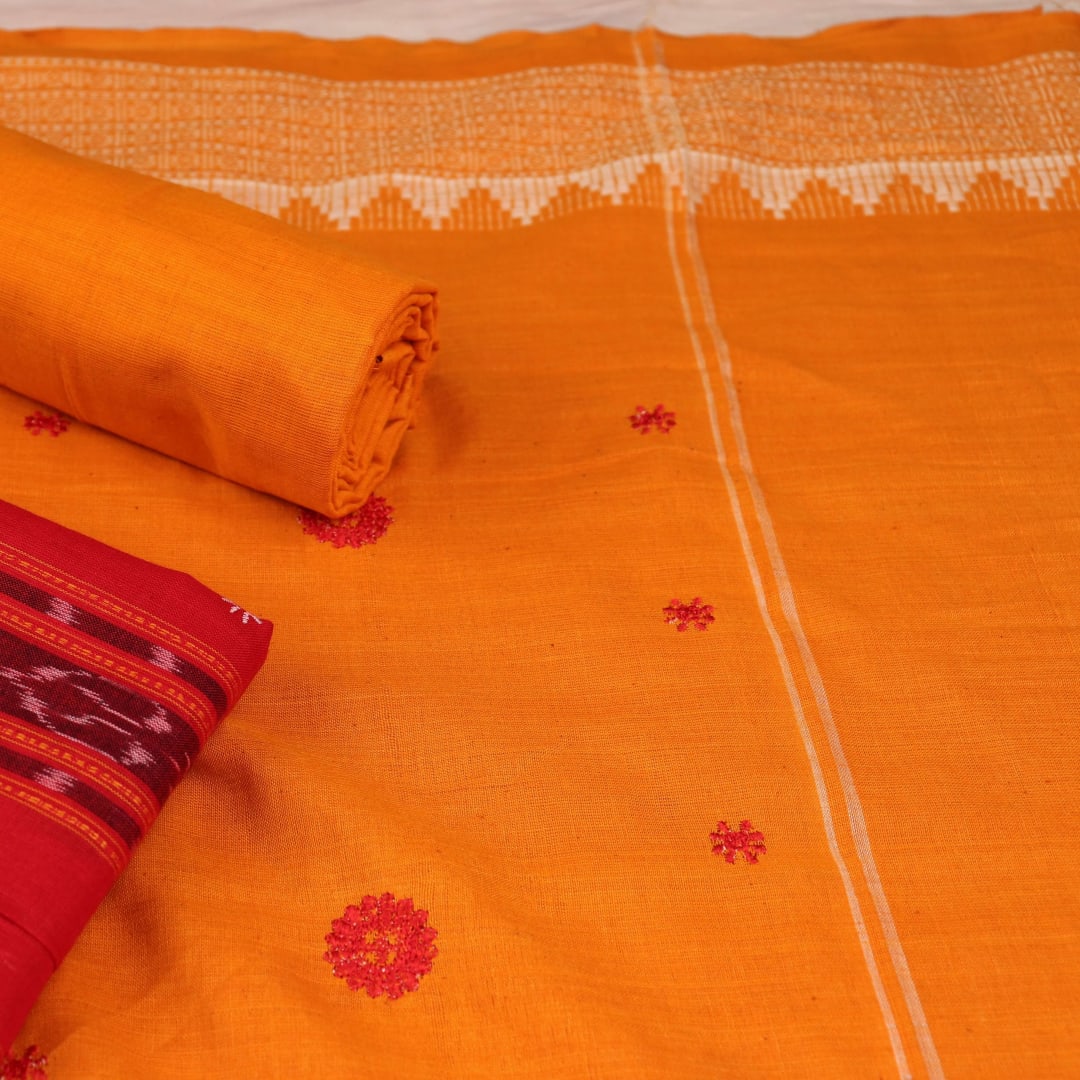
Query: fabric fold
113,673
280,359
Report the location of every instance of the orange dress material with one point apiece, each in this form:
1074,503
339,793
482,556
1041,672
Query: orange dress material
698,698
205,330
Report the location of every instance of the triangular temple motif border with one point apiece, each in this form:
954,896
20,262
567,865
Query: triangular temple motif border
718,187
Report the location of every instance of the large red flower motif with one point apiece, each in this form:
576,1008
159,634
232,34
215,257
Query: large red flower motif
383,945
29,1065
363,526
745,841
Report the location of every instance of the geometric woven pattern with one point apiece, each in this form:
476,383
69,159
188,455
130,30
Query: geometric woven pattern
885,139
103,706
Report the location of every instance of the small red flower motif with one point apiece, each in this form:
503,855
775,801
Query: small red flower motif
29,1065
683,616
385,946
745,841
644,421
363,526
53,423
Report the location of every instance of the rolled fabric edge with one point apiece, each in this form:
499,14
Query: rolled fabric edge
284,360
383,408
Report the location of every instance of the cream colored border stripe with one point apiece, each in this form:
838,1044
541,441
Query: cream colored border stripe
853,804
888,1017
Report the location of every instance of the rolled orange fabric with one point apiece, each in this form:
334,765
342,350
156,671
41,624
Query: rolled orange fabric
273,357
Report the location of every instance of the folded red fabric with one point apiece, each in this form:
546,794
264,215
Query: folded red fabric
113,673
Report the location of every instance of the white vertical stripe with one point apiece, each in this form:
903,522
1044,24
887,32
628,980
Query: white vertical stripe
853,804
888,1017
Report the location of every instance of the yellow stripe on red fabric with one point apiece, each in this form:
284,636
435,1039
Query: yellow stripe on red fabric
89,766
69,815
93,598
89,652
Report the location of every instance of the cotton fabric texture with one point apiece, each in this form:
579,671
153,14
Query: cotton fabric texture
784,331
113,673
205,330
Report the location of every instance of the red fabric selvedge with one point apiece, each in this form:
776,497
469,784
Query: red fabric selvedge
52,883
114,671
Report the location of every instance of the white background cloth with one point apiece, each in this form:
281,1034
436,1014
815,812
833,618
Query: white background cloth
465,20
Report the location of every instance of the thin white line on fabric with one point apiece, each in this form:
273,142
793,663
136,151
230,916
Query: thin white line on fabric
888,1017
856,817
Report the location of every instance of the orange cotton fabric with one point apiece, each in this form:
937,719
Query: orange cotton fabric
848,267
205,330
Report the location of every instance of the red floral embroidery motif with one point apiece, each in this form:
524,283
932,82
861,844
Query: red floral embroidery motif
53,423
30,1065
683,616
645,421
731,843
363,526
385,946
